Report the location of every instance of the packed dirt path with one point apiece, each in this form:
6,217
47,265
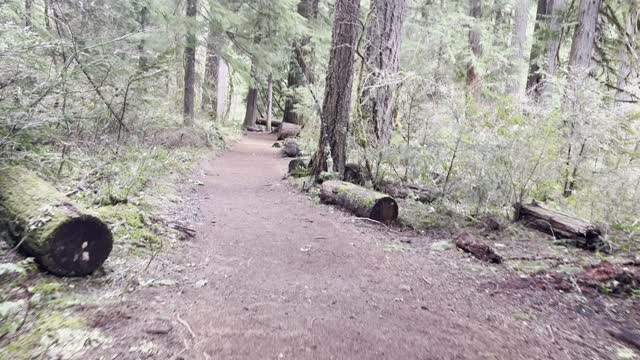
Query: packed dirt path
287,278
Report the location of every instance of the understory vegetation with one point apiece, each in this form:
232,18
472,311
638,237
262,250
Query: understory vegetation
486,104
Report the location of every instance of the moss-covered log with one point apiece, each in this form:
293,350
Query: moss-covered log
578,232
360,201
63,240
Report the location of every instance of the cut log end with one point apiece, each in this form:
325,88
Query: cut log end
68,242
78,247
385,210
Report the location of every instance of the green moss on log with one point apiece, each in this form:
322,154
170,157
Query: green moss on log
63,239
360,201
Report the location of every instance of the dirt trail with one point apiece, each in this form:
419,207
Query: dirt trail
291,279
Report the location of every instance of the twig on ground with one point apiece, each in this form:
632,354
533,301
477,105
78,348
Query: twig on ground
426,280
186,230
186,325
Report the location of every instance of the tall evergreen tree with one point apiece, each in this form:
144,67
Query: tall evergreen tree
300,71
336,109
473,78
519,54
190,65
382,57
546,48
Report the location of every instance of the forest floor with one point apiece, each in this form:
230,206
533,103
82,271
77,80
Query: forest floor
272,274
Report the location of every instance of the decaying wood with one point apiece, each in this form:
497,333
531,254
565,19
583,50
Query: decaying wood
484,252
580,233
44,224
287,130
360,201
419,193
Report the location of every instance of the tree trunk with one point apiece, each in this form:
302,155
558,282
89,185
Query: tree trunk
190,66
252,109
579,67
269,103
223,93
212,69
336,108
360,201
62,239
546,45
143,20
561,226
629,46
584,38
300,72
515,85
28,10
384,36
473,78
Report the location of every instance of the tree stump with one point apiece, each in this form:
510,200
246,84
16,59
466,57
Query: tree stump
291,148
360,201
287,130
47,226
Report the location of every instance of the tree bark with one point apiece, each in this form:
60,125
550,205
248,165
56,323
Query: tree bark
252,109
46,225
584,38
269,103
546,48
299,70
473,78
579,68
190,66
515,85
336,108
28,10
629,47
143,20
384,37
360,201
212,70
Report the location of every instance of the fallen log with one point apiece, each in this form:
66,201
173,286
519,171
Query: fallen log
46,225
484,252
578,232
288,131
360,201
419,193
263,122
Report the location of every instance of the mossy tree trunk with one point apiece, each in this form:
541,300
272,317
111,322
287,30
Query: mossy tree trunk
62,239
360,201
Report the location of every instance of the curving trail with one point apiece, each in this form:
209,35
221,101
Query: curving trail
291,279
